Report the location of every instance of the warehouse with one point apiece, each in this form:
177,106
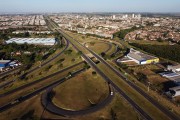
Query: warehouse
4,63
35,41
174,68
175,91
142,58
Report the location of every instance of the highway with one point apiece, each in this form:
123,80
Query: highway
59,111
36,68
51,107
9,72
135,87
40,80
36,92
93,65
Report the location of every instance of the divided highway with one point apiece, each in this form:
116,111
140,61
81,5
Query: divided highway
36,68
135,87
8,72
36,92
40,80
149,98
93,65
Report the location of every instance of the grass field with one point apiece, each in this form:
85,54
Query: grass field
33,109
15,76
140,100
59,63
160,98
84,89
154,112
118,107
98,47
85,39
150,72
38,85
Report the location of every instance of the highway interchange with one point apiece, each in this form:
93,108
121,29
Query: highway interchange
47,103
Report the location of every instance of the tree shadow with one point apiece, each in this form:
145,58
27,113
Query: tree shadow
167,85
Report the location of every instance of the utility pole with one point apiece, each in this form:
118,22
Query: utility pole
148,86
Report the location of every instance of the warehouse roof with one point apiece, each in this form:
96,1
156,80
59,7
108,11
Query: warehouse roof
175,88
175,66
45,41
139,55
4,61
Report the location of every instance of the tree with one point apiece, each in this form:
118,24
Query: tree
121,34
73,60
159,39
103,54
26,34
68,52
92,43
38,58
93,73
113,115
79,53
165,51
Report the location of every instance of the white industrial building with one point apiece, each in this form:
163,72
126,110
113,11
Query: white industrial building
174,68
175,91
35,41
141,58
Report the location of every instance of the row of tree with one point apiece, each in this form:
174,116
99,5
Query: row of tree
121,34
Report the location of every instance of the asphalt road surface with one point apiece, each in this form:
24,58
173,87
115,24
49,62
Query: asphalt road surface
49,105
93,65
149,98
40,80
145,95
36,92
36,68
10,71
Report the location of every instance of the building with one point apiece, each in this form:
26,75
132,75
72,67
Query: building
141,58
4,63
175,68
174,92
169,75
35,41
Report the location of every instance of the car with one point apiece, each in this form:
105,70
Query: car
14,102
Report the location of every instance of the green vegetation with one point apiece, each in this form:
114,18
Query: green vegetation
68,52
25,53
121,34
164,51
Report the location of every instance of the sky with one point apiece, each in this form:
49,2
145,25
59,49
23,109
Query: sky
50,6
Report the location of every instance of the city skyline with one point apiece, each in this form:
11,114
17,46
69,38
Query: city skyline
47,6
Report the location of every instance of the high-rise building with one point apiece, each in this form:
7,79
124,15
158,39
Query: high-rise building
133,15
114,17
